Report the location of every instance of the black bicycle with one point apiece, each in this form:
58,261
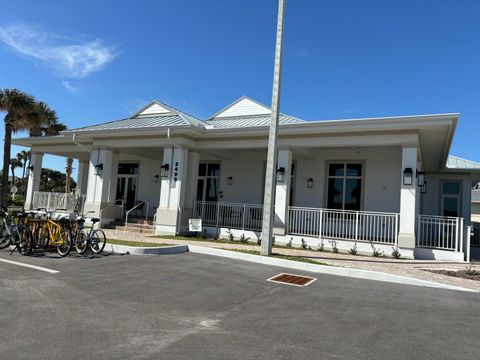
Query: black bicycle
19,234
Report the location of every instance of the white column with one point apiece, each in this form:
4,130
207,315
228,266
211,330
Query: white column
33,178
406,237
100,187
82,177
282,192
172,194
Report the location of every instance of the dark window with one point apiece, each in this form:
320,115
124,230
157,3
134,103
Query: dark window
344,186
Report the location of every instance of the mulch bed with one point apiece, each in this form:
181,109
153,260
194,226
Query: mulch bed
460,274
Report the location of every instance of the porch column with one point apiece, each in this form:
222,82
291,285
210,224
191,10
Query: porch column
172,193
408,201
82,177
282,193
33,178
100,187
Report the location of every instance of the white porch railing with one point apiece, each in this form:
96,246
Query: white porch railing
52,201
475,237
229,215
344,224
440,232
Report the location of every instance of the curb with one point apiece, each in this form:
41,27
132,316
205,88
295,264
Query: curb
325,269
134,250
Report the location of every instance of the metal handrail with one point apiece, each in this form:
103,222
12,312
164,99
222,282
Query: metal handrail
136,206
113,203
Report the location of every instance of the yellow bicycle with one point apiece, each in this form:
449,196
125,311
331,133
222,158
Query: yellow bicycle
50,232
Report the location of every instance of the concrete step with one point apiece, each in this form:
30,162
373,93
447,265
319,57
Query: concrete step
134,225
133,229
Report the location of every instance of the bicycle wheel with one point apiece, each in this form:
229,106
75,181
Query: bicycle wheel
97,241
64,247
5,238
25,242
41,238
81,241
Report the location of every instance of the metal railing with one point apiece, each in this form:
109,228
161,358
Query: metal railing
372,226
475,234
440,232
229,215
140,204
117,203
51,201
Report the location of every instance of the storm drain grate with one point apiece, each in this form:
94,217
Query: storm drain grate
291,279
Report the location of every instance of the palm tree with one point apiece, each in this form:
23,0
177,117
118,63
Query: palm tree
52,130
17,105
24,156
14,163
42,118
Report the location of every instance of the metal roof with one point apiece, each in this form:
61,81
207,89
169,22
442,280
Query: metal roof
454,162
250,121
476,195
173,118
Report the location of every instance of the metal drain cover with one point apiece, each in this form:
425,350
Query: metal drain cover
291,279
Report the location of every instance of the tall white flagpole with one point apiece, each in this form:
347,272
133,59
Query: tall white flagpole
270,177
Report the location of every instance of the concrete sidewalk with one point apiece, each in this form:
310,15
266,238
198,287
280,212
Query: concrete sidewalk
400,267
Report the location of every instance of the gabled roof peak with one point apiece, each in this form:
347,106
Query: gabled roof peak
244,106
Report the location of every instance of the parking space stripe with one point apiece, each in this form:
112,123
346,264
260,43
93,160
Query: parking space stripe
29,266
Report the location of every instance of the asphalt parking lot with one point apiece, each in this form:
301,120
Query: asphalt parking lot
192,306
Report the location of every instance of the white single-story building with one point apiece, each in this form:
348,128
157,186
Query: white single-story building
383,182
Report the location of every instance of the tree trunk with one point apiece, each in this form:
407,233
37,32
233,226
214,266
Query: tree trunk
69,175
22,183
6,161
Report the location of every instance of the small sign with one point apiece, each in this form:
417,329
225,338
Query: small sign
14,189
195,225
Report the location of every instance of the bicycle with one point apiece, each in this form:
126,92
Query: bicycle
15,234
95,238
53,232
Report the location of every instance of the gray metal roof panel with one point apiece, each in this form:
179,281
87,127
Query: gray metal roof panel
250,121
475,195
137,123
454,162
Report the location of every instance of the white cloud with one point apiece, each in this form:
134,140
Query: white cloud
72,58
71,88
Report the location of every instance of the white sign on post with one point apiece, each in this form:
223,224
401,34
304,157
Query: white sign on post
195,225
13,190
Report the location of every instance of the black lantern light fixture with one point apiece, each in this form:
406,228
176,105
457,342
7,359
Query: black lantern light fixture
230,180
420,178
310,183
280,174
164,170
408,176
98,169
423,189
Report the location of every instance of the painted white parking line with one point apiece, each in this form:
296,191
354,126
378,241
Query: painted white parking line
29,266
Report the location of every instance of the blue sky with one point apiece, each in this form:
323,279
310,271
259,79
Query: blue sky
95,61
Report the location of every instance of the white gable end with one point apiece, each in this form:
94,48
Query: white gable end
244,107
154,109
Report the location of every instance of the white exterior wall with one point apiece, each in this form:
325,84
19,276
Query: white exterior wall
381,183
431,200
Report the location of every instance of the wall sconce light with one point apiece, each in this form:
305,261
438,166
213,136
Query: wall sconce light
408,176
423,189
310,183
29,170
98,169
229,180
280,174
420,178
164,170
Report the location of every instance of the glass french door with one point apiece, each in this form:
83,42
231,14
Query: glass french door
208,182
127,190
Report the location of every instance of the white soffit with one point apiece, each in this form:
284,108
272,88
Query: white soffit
243,107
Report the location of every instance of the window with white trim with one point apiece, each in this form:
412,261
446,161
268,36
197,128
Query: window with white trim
344,189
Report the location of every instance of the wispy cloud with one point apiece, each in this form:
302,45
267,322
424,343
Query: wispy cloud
71,88
73,58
